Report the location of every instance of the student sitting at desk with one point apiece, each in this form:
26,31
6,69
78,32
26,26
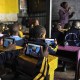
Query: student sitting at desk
19,41
73,35
39,34
4,56
20,31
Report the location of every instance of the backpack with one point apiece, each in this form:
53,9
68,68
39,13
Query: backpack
71,39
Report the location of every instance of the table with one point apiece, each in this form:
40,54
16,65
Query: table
52,61
17,48
72,50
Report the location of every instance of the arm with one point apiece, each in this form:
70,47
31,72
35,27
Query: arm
11,47
52,50
61,29
71,15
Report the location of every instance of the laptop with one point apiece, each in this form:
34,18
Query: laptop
33,50
7,41
50,42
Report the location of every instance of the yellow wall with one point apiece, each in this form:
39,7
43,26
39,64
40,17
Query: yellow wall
9,6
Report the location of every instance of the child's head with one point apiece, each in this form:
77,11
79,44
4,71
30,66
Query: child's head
15,29
78,24
20,27
36,22
1,27
39,32
59,26
64,5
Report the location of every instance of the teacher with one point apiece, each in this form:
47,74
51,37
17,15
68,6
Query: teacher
65,13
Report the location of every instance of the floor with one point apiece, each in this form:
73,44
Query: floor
59,75
68,75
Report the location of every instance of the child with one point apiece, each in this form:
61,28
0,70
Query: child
18,40
20,31
39,33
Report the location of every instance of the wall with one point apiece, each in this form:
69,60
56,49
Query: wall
75,4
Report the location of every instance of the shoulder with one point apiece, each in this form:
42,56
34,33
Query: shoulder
16,37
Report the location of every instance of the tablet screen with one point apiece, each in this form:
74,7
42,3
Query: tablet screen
7,42
33,49
50,42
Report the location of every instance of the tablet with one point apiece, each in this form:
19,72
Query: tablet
7,42
33,50
50,42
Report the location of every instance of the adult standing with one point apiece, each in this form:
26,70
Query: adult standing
65,13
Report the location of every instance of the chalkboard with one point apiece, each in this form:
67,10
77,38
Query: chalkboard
75,4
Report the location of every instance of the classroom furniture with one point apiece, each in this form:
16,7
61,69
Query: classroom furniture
70,54
17,48
52,61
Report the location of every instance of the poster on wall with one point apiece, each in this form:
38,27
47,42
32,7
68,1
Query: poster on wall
23,7
8,17
9,6
8,11
23,4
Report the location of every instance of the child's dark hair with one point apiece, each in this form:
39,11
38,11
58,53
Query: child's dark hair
1,25
14,28
38,31
62,4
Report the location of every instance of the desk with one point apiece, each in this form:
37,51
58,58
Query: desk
52,61
17,48
72,50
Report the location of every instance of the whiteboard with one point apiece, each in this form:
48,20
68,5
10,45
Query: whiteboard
75,4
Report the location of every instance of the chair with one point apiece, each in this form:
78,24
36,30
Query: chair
43,74
36,69
20,42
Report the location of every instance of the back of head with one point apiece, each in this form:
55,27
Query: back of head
36,22
1,25
38,32
63,4
76,24
15,29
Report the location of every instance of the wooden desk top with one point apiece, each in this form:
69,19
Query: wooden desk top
27,58
17,48
69,48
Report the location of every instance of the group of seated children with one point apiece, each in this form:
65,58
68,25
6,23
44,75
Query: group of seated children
68,33
38,35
